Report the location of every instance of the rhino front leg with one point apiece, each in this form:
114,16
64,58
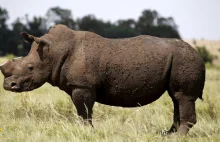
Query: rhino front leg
184,113
84,100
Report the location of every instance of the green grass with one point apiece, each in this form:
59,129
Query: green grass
48,115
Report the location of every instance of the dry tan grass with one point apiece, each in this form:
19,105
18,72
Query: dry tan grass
48,115
212,45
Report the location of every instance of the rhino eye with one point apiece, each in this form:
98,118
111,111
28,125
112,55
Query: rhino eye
30,67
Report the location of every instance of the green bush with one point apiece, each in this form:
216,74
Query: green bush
205,54
9,56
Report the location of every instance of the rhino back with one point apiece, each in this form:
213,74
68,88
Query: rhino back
131,71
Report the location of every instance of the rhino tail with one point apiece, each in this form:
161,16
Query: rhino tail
200,96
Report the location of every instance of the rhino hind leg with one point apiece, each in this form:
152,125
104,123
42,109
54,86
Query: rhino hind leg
84,99
187,114
184,113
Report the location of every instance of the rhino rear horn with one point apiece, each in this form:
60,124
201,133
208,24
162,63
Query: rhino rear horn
18,58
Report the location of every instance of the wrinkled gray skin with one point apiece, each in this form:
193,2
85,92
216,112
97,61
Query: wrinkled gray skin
126,72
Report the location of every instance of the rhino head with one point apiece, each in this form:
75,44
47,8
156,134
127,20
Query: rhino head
30,72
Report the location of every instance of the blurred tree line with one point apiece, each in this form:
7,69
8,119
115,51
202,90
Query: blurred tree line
149,23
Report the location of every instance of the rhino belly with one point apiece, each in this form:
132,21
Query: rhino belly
130,95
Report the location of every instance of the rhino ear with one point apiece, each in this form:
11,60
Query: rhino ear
27,38
42,41
30,38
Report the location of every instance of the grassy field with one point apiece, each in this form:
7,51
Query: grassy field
48,115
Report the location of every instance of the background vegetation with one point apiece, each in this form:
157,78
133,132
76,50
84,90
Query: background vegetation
205,54
150,22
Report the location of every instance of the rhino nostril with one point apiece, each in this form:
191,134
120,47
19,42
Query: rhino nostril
13,84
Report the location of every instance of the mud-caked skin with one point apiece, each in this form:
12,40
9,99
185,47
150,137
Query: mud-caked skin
125,72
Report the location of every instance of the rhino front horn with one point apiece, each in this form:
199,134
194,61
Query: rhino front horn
1,66
6,68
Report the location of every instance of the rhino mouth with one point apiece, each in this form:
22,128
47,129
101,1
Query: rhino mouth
18,87
13,89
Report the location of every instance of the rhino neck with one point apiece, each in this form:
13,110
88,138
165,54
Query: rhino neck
61,46
55,75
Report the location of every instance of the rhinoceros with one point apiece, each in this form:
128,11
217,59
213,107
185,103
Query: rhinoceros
128,72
